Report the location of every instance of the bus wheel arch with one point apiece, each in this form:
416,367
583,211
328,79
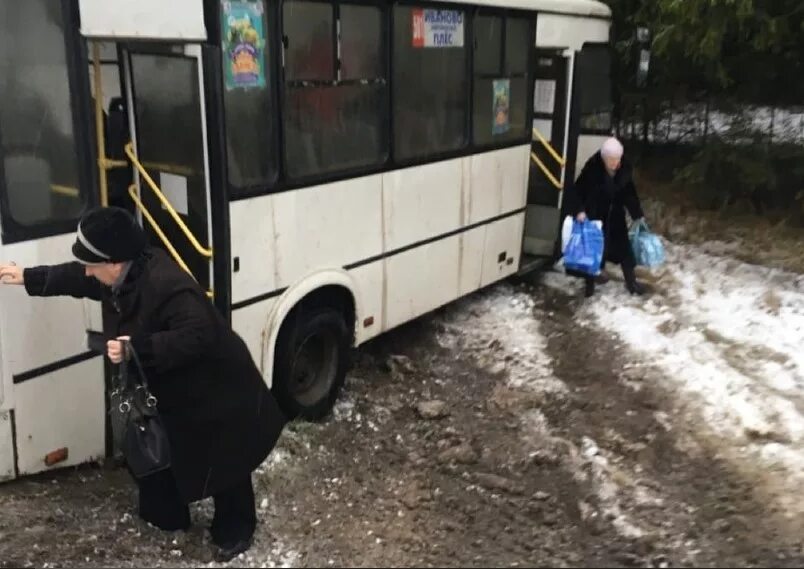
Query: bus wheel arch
310,347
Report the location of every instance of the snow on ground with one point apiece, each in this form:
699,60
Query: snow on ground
501,329
730,336
690,123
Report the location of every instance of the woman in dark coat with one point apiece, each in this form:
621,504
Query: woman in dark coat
221,419
603,191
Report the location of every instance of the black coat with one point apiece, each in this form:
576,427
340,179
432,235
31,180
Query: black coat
220,417
605,198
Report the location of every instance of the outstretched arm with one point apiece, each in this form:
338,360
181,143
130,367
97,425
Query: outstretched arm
67,279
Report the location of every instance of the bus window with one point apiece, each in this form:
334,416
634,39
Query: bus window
308,33
430,81
594,86
362,53
333,115
500,82
518,45
39,166
251,130
488,45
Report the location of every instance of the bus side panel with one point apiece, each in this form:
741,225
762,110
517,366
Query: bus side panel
485,200
280,238
327,226
144,19
6,447
369,280
503,247
565,31
499,182
252,245
422,206
473,244
63,409
515,178
38,332
251,322
422,203
422,279
57,403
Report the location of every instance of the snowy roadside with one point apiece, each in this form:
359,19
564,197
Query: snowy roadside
731,337
501,329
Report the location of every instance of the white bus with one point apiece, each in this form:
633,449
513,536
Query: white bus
328,170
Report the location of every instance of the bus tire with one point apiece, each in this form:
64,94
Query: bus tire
312,357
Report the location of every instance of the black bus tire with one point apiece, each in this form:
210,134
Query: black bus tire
312,357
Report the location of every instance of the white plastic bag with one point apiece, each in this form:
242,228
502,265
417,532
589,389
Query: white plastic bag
566,231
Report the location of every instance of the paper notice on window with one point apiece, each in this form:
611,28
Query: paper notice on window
175,189
544,96
437,28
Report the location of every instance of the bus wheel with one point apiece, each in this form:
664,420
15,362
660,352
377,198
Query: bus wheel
312,355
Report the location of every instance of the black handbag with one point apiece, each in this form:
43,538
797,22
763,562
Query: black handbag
137,427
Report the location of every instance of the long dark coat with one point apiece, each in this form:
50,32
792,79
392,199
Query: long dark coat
606,198
220,417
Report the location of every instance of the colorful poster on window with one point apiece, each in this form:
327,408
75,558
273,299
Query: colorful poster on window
501,106
437,28
243,45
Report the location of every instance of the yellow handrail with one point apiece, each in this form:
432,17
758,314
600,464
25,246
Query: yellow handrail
69,191
545,171
549,147
104,187
558,158
167,205
169,168
132,191
104,164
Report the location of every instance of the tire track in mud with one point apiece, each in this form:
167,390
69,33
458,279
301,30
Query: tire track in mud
708,514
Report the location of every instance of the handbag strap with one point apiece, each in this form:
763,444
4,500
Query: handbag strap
641,226
150,399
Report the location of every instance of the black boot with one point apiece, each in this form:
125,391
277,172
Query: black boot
631,284
590,287
228,551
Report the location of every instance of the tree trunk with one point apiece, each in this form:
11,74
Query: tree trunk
645,125
772,121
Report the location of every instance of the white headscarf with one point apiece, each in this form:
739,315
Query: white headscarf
612,148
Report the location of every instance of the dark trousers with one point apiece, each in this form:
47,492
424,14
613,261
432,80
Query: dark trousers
629,274
235,512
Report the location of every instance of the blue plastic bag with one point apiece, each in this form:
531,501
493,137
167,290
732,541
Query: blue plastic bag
648,248
584,252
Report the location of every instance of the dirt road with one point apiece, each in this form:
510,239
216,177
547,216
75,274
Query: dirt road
499,431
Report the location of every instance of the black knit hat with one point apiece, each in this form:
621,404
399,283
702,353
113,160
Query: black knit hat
108,235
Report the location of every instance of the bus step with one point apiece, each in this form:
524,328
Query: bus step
531,263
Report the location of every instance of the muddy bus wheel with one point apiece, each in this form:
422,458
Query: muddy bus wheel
312,356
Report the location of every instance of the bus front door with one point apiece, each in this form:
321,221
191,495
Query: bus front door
168,122
549,124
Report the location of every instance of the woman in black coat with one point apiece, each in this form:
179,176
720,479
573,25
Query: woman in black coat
603,191
221,419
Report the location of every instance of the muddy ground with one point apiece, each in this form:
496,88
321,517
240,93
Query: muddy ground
495,432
